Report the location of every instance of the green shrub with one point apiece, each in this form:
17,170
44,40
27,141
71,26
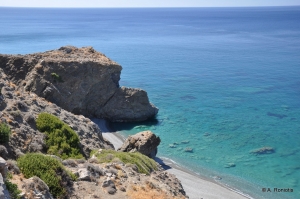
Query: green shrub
144,163
56,77
49,169
4,133
61,139
12,189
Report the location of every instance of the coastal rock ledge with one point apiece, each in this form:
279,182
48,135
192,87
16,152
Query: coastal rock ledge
80,80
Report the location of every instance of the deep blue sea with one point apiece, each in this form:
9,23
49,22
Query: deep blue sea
226,81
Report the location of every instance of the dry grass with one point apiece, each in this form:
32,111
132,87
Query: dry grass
146,192
8,120
17,93
12,85
38,67
121,174
117,166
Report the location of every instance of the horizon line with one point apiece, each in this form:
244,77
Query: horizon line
155,7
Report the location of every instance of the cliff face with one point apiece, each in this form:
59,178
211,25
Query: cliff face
20,110
81,81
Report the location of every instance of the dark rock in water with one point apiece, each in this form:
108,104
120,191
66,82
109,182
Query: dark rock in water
144,142
80,80
229,165
188,149
206,134
217,178
280,116
263,150
185,141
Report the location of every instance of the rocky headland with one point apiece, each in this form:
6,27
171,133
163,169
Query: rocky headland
79,80
73,84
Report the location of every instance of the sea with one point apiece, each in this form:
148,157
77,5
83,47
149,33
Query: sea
226,82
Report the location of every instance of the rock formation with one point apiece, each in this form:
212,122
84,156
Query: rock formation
263,150
144,142
3,171
36,188
79,80
20,110
85,82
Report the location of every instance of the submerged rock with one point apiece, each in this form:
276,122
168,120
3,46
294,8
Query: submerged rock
229,165
80,80
185,141
263,150
144,142
188,149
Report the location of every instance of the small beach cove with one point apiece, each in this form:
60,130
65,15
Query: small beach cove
195,187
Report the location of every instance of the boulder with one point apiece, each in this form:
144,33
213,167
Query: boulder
4,194
36,188
84,174
144,142
3,167
80,80
127,105
109,186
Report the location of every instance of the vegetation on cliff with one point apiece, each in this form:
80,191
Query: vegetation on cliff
4,133
11,187
61,139
143,163
49,169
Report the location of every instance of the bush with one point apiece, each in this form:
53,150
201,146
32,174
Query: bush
12,189
56,77
4,133
61,139
144,163
49,169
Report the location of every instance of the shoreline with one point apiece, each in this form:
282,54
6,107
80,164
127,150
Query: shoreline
195,186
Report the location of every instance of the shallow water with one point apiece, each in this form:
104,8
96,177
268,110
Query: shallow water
226,81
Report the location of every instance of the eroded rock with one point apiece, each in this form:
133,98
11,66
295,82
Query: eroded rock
144,142
3,191
36,188
128,104
80,80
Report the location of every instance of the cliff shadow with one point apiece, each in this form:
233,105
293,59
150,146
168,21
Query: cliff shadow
123,126
162,163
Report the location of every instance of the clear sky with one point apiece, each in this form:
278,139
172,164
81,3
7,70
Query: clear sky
146,3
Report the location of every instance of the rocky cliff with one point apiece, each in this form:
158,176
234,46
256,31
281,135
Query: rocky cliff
79,80
84,82
20,110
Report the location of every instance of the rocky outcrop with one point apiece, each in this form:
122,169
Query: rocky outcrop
3,171
3,191
36,188
119,180
128,104
79,80
144,142
3,167
20,112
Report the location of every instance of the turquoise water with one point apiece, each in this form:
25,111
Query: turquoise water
226,81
